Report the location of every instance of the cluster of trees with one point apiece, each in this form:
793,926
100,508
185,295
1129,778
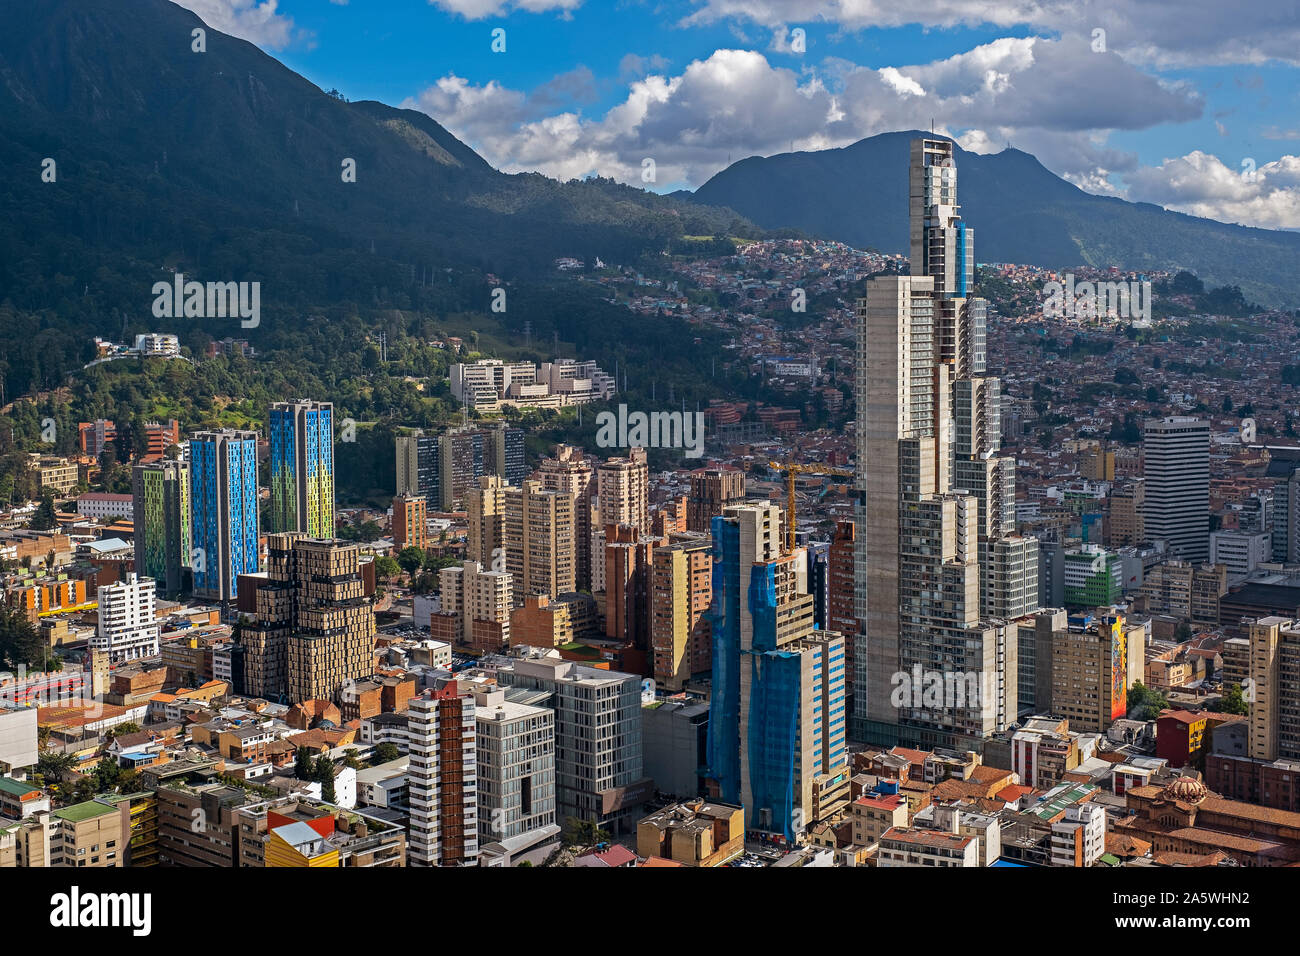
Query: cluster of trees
1145,703
320,769
21,644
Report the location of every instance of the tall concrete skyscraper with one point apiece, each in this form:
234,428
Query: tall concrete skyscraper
223,494
935,551
302,468
1176,469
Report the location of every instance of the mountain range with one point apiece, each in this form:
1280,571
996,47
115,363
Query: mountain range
164,154
226,162
1020,211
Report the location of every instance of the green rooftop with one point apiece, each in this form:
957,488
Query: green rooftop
18,788
79,812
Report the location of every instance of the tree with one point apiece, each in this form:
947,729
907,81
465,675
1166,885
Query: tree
52,765
578,832
21,644
323,773
1232,702
302,764
1183,632
386,568
410,558
43,519
383,753
1144,703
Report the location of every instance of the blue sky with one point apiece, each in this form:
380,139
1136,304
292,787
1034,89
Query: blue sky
1193,104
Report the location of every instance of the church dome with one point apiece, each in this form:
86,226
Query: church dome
1185,790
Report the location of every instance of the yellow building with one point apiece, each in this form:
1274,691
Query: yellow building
297,844
694,833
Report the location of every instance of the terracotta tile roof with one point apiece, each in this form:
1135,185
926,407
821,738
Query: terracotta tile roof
1126,844
1013,792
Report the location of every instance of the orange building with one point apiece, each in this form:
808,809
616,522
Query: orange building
410,525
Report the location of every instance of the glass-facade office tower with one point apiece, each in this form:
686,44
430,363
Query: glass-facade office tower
161,511
777,719
302,468
223,495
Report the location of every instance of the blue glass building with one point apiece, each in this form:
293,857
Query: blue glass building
223,494
302,468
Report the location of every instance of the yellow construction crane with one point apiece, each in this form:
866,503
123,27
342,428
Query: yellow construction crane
792,469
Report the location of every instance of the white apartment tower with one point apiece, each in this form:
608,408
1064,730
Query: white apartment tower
128,626
443,771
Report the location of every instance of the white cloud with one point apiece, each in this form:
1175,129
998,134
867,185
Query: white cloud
257,21
1202,185
1165,32
482,9
736,103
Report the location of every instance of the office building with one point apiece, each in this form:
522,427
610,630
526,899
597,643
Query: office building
223,495
675,736
53,474
1183,590
461,463
503,453
570,471
161,513
516,767
628,556
598,759
418,464
1240,552
485,512
1272,689
313,626
1093,576
1176,471
302,468
128,625
442,736
1127,527
1090,672
541,622
622,498
777,720
1284,472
